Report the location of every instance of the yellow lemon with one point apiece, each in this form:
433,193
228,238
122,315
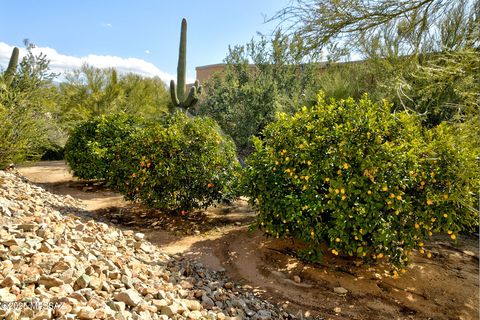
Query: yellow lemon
337,191
429,202
399,197
342,190
449,231
369,192
344,197
445,215
392,195
385,188
337,240
453,236
445,196
417,226
345,166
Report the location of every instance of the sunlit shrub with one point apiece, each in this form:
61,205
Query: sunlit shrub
368,183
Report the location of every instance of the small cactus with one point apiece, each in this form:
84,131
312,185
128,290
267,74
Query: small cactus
177,92
12,66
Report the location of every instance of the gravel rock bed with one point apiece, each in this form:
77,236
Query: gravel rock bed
57,264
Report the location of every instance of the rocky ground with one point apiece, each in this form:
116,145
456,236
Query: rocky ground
56,262
200,250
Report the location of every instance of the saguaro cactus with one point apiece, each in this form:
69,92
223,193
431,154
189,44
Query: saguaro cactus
12,66
177,92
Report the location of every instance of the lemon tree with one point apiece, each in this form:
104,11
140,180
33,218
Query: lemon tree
368,183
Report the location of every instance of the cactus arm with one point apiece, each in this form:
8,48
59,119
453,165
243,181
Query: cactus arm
182,61
12,65
177,92
191,98
114,77
173,93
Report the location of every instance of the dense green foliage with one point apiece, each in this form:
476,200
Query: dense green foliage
175,164
179,164
422,55
369,183
26,126
89,92
90,148
245,98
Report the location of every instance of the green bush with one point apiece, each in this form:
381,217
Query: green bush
24,122
177,165
91,145
366,182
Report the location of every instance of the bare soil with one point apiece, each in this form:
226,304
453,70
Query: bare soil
445,286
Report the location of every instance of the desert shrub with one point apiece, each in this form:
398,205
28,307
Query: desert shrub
91,145
360,179
24,124
178,164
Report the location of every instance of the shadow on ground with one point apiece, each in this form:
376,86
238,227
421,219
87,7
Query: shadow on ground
443,287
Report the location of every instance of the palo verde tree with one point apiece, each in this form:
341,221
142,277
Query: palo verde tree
409,45
346,22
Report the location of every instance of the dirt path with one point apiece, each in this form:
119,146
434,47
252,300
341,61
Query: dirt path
444,287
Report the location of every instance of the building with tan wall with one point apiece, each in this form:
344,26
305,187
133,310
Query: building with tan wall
206,72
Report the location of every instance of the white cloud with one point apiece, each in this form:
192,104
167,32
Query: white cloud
147,51
106,25
60,63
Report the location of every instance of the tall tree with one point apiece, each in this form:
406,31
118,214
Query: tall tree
410,46
25,100
345,22
91,91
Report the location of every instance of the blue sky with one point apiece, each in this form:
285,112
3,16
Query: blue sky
136,34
